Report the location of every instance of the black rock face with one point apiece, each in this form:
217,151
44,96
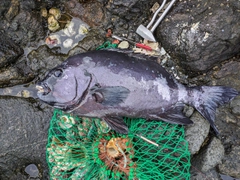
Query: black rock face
4,8
23,138
201,34
9,50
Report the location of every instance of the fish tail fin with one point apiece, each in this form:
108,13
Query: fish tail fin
207,98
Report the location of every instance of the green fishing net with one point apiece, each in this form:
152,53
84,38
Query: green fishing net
107,45
85,148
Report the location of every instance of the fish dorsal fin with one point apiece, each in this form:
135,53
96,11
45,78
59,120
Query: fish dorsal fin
175,115
109,96
116,123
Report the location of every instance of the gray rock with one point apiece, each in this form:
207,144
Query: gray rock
120,8
235,106
124,17
91,42
37,63
9,50
131,14
13,10
18,176
223,114
90,12
188,111
200,34
24,126
13,76
227,118
227,69
227,74
231,163
209,157
226,177
17,73
196,134
43,59
198,175
26,28
228,126
4,8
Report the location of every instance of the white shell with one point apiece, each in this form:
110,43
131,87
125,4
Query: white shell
67,43
69,31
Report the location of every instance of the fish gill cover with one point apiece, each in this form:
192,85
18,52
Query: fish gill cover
86,148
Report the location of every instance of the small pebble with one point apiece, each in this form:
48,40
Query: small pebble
32,170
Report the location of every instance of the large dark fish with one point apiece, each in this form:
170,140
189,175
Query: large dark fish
110,85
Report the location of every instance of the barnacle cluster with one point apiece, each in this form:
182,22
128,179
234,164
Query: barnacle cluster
65,156
116,154
54,18
66,122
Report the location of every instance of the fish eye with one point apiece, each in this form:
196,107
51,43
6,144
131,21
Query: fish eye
58,73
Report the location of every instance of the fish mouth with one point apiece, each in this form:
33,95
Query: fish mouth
43,88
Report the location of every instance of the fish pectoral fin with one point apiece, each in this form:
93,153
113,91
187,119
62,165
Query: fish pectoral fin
117,124
111,95
175,115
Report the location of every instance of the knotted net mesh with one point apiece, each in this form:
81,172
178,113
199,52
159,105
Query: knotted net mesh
85,148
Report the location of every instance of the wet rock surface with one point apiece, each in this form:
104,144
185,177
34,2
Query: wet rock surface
43,59
121,8
17,74
27,68
231,163
210,157
201,34
90,42
23,127
86,11
26,27
194,47
196,133
9,50
123,17
211,174
227,116
4,8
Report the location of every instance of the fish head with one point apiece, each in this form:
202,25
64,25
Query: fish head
64,87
